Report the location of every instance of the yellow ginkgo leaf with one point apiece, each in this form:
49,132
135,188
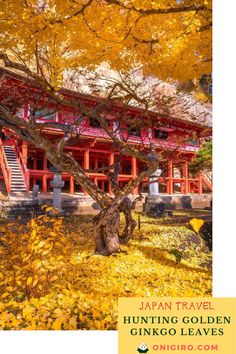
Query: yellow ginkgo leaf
36,265
4,295
35,282
29,281
196,224
49,208
57,324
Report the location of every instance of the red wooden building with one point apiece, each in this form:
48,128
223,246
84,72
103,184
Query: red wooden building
22,165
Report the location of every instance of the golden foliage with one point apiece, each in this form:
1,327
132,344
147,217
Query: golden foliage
70,35
50,278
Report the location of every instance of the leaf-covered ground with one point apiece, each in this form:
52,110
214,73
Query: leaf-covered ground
50,278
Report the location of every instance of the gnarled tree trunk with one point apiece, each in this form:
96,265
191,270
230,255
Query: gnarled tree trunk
106,226
126,208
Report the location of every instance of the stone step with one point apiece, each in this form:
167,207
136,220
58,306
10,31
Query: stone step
18,185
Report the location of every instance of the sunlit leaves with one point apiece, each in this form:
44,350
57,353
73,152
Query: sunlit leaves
60,36
70,288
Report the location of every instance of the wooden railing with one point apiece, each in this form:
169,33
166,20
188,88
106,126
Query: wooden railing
207,179
5,168
24,170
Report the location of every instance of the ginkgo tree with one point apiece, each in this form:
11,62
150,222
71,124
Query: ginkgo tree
50,41
171,40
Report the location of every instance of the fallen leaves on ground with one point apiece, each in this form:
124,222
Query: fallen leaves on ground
51,279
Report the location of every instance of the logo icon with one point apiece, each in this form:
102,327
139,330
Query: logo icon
143,348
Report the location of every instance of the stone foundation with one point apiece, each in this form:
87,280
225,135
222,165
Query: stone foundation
13,209
173,202
22,207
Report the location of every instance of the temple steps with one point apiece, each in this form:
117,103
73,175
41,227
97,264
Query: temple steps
17,179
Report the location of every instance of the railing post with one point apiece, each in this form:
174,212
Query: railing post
9,182
27,181
5,168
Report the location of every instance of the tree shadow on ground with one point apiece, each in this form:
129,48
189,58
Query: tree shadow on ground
174,220
157,254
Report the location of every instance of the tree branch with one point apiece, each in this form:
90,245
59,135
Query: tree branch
168,10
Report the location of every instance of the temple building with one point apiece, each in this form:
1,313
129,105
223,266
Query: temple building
22,165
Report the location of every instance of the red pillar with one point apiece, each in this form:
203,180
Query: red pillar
72,185
45,188
86,160
185,174
24,152
111,162
169,185
199,184
86,165
134,172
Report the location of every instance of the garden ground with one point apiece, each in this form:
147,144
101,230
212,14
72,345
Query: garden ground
51,279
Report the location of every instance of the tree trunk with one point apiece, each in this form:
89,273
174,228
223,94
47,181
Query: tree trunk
126,208
106,226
